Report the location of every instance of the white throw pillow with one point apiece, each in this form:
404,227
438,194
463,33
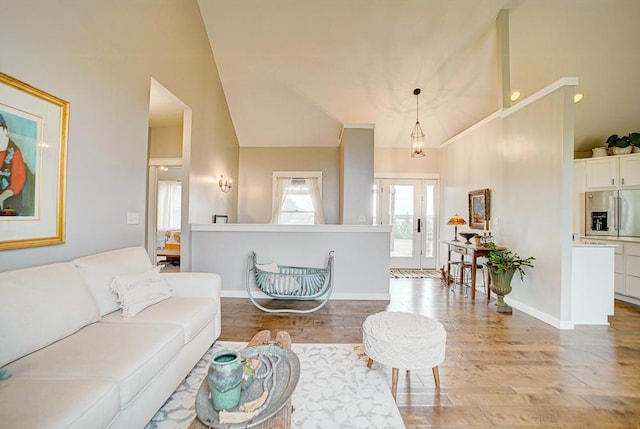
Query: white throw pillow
98,270
284,284
136,292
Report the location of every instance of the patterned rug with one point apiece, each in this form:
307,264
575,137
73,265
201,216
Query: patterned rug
335,390
400,273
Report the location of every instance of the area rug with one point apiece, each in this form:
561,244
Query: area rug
400,273
335,390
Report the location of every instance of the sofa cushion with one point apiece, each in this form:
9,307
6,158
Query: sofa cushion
41,305
99,270
135,292
70,403
190,314
131,354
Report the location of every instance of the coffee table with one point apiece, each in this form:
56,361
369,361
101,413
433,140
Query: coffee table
282,420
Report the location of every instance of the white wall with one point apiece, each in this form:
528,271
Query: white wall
255,181
100,57
356,172
396,160
525,157
597,41
165,142
361,254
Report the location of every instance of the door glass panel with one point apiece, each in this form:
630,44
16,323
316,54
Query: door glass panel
429,226
401,215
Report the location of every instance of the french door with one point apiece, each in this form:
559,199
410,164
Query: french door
409,206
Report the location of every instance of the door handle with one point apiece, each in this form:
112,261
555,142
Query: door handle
418,224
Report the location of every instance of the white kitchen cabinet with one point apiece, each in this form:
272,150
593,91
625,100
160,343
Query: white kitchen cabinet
629,170
602,173
619,271
632,271
613,172
619,263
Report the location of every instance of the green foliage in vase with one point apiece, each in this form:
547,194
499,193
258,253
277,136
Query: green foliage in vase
503,260
635,139
615,140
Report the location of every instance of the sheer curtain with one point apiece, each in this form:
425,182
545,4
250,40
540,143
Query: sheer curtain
279,196
316,199
169,204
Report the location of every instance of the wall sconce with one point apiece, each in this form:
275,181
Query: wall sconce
225,184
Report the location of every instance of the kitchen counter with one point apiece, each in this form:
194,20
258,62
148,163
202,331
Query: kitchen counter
592,283
587,243
604,237
627,265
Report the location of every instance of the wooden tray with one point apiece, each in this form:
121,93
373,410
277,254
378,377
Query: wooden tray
286,380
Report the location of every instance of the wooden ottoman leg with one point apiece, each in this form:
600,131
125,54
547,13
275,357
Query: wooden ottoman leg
369,363
436,376
394,382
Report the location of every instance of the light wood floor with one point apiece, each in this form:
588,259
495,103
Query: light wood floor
500,370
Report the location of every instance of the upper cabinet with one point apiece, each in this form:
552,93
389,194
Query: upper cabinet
613,172
629,171
602,172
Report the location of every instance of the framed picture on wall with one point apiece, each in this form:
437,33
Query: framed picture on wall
479,207
220,219
33,147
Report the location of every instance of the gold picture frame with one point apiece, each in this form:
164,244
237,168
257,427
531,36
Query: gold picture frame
479,209
33,151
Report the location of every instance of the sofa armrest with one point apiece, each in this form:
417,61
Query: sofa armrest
206,285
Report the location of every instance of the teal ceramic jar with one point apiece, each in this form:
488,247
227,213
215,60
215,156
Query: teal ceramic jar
225,377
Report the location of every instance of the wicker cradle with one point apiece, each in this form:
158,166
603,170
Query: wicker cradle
291,283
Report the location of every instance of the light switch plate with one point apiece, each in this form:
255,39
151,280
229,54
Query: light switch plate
133,218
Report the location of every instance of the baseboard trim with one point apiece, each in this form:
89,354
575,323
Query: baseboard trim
334,297
627,299
556,323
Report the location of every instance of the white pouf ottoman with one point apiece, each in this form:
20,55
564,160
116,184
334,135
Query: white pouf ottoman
404,341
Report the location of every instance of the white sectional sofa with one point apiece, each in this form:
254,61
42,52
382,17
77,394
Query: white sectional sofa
77,362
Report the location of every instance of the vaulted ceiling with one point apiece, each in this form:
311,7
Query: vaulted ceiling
295,72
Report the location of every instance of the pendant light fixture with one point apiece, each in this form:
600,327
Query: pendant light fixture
417,136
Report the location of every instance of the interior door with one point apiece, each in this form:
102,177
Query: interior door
409,206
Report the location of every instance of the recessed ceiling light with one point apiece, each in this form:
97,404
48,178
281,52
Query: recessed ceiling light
577,97
515,95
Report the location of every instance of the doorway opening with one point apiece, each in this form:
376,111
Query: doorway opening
167,182
410,207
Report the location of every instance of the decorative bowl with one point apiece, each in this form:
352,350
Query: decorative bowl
599,151
615,150
467,236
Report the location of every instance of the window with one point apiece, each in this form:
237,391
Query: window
169,204
297,198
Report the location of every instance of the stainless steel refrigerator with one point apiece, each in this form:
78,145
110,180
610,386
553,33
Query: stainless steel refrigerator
613,213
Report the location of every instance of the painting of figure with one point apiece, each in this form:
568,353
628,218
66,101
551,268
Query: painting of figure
18,155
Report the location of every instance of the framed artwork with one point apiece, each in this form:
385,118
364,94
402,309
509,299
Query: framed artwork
220,219
479,213
33,150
